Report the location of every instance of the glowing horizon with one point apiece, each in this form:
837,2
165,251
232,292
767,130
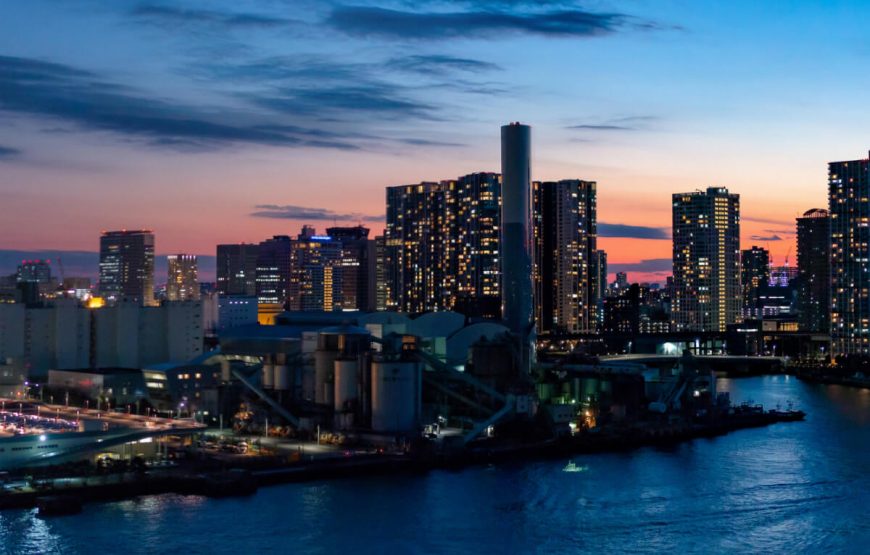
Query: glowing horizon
195,117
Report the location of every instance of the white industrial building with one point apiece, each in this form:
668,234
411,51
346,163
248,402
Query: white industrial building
66,335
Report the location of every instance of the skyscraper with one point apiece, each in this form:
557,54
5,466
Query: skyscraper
273,272
357,266
127,265
381,294
181,281
849,207
754,274
237,269
706,259
598,271
315,272
814,270
565,242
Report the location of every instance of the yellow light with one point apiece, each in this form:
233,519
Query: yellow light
96,302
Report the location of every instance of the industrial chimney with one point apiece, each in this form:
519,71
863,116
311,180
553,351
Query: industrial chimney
516,239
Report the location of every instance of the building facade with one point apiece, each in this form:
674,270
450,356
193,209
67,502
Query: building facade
565,243
598,270
706,260
357,266
441,246
754,274
237,269
34,271
127,266
315,272
849,208
182,282
273,271
814,270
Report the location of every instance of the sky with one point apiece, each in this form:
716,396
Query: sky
231,120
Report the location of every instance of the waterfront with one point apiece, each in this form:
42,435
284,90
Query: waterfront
783,488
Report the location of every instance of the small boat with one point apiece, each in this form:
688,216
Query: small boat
573,467
57,505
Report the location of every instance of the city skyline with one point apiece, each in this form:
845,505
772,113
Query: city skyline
767,135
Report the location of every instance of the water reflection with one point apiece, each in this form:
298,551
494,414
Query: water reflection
791,487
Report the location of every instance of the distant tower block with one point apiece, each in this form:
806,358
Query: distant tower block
516,237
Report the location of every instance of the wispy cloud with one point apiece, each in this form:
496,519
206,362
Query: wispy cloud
477,23
632,231
440,65
171,16
766,238
7,152
650,265
291,212
343,101
76,96
627,123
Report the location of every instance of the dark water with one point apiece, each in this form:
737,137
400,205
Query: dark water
797,487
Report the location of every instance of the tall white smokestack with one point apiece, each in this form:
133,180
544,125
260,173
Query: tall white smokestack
517,242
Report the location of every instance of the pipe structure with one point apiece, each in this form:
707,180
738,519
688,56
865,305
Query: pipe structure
517,242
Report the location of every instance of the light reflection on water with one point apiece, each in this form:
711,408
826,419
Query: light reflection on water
796,487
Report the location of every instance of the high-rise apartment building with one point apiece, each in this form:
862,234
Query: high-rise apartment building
419,250
181,280
849,207
127,265
706,260
237,269
814,270
754,274
441,245
565,233
478,207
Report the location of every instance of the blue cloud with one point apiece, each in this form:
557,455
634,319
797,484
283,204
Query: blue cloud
632,231
369,21
291,212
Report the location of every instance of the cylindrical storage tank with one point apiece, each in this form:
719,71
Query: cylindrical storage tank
346,380
395,396
308,386
324,362
268,376
282,377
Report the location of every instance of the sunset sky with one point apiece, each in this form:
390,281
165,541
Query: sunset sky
229,121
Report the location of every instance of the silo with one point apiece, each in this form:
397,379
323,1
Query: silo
282,377
516,238
345,341
268,376
395,396
324,364
346,382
